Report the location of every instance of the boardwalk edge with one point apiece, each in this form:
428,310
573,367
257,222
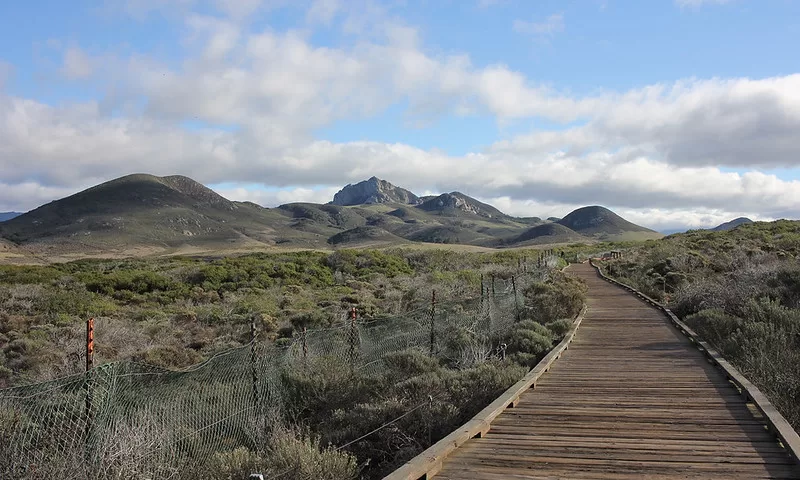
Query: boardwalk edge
776,422
428,463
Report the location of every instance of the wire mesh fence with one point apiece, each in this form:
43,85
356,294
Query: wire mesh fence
133,420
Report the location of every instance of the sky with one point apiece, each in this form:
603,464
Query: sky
673,113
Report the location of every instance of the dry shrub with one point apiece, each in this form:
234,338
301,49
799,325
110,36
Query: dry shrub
298,455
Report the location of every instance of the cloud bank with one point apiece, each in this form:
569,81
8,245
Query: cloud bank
242,106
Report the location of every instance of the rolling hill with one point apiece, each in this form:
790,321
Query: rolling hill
603,224
732,224
548,233
8,215
143,210
365,236
144,214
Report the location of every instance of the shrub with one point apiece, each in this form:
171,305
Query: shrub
559,327
324,385
298,455
714,324
408,363
171,356
560,297
236,464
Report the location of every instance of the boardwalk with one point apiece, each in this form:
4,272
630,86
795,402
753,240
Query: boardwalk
630,399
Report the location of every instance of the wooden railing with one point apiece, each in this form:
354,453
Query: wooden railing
429,462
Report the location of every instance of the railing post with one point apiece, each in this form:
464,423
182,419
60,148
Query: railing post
433,320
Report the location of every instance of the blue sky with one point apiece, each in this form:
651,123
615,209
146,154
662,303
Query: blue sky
673,112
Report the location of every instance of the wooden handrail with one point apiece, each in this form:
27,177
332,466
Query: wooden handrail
428,463
777,423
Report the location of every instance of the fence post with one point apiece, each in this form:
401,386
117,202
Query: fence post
305,347
481,304
353,336
516,303
87,385
433,319
492,287
253,371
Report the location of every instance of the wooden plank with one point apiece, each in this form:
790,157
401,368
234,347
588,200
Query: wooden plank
429,462
787,435
632,397
599,473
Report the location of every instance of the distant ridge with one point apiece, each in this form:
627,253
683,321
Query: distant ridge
364,235
8,215
143,214
547,233
455,203
732,224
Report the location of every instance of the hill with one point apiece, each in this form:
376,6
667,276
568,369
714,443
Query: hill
457,204
547,233
142,210
732,224
143,214
601,223
8,215
373,190
364,236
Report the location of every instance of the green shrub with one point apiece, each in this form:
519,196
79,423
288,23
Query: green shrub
299,456
314,391
408,363
171,356
714,324
560,297
559,327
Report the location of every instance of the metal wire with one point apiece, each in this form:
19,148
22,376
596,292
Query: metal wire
133,420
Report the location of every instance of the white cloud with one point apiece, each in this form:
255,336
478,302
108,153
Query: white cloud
6,73
659,219
77,65
323,11
27,195
36,140
272,198
141,9
553,24
215,37
654,151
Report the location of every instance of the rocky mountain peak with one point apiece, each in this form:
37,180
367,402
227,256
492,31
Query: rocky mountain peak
457,201
373,190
